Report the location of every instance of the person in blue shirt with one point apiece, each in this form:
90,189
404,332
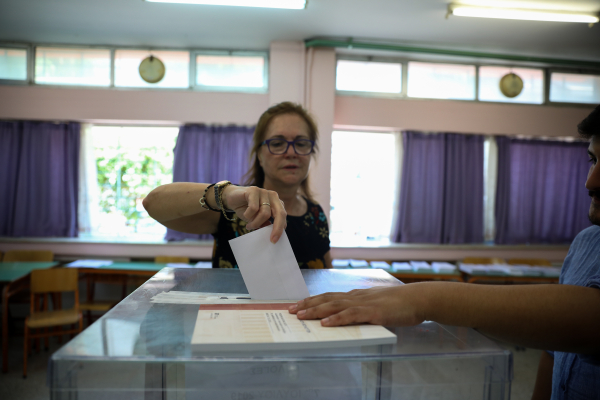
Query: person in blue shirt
563,319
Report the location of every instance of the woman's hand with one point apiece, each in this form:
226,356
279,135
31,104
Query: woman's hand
388,306
256,206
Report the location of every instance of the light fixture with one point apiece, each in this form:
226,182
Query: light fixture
287,4
521,14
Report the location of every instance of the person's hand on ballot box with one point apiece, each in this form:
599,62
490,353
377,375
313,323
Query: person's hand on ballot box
387,306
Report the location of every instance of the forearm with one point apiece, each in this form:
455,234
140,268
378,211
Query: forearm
177,200
553,317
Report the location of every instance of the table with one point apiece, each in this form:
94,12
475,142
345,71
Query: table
126,268
122,269
141,349
507,278
428,276
15,277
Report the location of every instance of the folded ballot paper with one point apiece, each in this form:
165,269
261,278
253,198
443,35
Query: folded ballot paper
260,320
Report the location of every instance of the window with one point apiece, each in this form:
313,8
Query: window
177,68
441,81
69,66
574,88
131,161
368,76
13,64
364,165
533,85
231,72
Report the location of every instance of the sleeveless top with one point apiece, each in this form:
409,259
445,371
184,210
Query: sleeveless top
308,235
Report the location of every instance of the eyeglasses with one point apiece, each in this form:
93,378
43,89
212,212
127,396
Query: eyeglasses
302,147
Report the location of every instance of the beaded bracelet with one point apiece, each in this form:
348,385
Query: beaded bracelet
220,186
203,201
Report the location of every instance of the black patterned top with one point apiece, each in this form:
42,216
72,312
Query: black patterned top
308,235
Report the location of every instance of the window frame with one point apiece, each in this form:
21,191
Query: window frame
447,62
546,77
396,182
550,71
113,52
28,64
193,52
112,238
72,46
202,88
545,83
390,60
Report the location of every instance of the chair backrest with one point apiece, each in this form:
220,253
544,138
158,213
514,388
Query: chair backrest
28,255
482,260
529,261
171,259
54,280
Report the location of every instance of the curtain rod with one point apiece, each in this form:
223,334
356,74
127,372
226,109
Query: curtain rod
351,44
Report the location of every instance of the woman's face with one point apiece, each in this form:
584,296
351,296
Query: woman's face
289,168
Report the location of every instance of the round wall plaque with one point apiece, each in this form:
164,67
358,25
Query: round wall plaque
152,70
511,85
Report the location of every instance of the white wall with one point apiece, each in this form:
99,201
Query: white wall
306,76
130,105
459,116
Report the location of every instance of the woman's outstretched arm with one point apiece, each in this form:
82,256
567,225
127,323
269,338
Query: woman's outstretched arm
176,206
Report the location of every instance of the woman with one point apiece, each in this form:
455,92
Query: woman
284,145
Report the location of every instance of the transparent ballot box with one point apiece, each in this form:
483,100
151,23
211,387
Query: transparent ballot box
142,349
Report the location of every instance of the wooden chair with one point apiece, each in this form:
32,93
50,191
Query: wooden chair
28,255
483,260
44,282
171,259
529,261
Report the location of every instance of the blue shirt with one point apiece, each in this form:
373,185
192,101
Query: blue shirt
577,376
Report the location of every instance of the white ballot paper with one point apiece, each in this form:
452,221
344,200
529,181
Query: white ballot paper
270,271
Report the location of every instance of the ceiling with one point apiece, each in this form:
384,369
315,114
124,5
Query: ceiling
408,22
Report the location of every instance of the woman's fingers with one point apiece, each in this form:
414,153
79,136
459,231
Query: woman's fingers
258,209
257,206
315,301
279,216
349,316
252,207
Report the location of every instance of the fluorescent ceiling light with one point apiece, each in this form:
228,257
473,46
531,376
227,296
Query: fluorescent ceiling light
288,4
521,14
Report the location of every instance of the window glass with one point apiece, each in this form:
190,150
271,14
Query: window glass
441,81
533,85
177,67
131,161
367,76
363,165
575,88
67,66
230,71
13,64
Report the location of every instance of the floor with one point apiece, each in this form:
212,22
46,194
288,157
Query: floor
13,386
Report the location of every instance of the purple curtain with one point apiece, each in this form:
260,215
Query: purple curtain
209,154
39,166
441,196
541,195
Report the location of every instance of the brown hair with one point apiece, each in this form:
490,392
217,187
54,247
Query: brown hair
590,126
256,175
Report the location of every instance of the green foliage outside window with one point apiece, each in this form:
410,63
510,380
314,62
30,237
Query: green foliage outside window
126,175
